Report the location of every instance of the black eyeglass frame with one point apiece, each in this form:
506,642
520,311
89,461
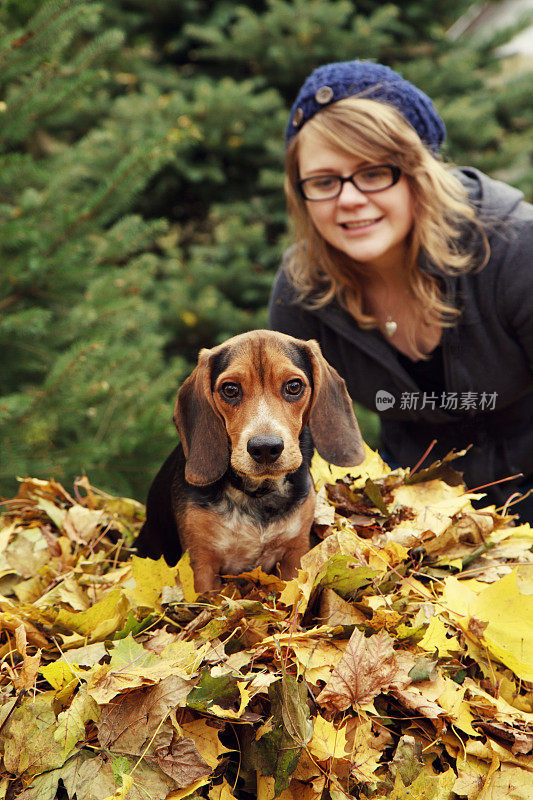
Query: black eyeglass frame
396,175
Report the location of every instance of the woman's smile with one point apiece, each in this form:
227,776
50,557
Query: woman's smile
360,225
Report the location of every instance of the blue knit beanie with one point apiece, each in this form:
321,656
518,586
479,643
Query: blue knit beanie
332,82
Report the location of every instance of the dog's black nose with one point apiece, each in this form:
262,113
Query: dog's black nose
265,449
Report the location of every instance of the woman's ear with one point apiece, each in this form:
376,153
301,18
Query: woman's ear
332,422
203,435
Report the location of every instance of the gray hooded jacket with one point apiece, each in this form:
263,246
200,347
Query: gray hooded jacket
487,354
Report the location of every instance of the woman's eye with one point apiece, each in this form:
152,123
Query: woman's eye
375,172
230,390
375,175
325,183
293,388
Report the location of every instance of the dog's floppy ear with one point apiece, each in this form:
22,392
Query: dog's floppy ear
202,432
333,425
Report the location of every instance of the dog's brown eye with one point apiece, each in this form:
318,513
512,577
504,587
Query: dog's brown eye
293,389
230,391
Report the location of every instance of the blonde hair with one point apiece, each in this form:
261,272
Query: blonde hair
378,133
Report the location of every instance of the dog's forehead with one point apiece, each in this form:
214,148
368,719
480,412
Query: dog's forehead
260,352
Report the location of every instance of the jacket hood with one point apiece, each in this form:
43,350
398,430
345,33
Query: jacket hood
494,199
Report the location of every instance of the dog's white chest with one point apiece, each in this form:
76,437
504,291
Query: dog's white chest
242,544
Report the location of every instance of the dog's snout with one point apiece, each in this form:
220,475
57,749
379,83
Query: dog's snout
265,449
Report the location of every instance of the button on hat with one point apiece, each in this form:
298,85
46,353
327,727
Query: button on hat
324,95
332,82
297,117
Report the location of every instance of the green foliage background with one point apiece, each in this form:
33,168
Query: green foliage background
141,207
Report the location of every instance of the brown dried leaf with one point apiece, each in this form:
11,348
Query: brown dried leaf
10,621
520,742
336,611
182,762
30,664
367,667
86,656
28,738
128,723
81,524
28,673
464,535
415,701
324,511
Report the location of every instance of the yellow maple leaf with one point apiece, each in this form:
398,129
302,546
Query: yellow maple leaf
59,674
365,758
524,531
99,621
508,782
381,558
316,660
228,713
494,706
471,776
186,576
507,614
323,473
453,702
426,786
509,634
490,750
327,741
206,740
509,692
221,792
372,467
435,638
292,594
458,595
150,576
299,589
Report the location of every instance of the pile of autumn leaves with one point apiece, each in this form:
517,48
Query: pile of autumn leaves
398,664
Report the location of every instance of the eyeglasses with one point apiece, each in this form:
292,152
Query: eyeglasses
369,179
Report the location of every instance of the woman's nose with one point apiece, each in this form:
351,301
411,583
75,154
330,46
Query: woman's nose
351,195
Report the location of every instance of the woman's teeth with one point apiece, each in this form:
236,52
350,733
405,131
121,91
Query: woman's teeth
350,225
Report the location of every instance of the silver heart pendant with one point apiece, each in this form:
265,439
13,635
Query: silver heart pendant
391,327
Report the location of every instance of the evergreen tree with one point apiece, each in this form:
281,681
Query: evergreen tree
83,383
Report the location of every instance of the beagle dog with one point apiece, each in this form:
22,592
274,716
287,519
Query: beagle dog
237,493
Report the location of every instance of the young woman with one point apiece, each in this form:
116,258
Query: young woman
416,279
